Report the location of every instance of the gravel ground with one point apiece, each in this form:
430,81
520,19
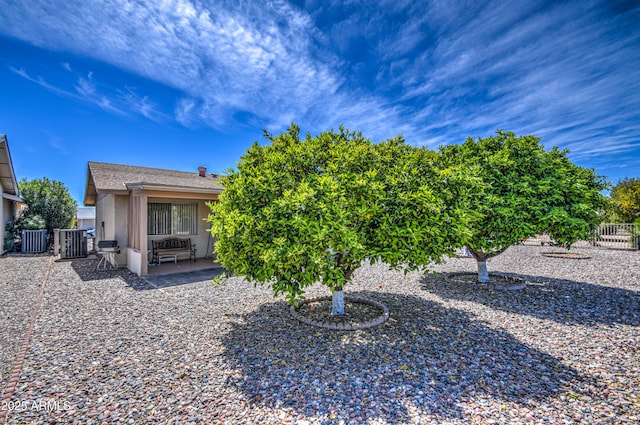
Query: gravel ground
19,287
109,349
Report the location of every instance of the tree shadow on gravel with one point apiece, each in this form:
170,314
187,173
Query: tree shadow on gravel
427,361
563,301
86,270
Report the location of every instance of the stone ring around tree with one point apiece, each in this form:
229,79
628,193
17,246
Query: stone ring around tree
497,281
359,313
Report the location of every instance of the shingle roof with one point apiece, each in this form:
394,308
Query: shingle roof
104,177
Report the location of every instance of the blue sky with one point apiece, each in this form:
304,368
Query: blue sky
178,84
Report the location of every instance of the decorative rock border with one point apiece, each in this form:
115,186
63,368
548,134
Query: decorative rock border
518,283
568,255
343,326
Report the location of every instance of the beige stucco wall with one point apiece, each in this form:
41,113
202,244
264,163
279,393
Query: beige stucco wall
104,223
199,240
112,210
7,213
3,214
4,217
122,221
134,261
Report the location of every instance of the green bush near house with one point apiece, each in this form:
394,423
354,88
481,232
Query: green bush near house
8,244
31,222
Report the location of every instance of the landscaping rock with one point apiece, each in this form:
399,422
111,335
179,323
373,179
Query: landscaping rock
107,348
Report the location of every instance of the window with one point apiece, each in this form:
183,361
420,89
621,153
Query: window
185,219
172,219
159,219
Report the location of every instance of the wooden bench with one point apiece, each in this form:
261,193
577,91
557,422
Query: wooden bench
170,248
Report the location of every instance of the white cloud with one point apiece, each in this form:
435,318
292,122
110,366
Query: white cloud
440,71
84,91
42,83
86,87
143,105
231,58
184,111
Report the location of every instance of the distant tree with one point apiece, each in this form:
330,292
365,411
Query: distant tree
297,212
526,191
625,199
50,200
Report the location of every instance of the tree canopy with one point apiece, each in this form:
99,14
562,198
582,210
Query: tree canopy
625,199
50,200
525,191
299,211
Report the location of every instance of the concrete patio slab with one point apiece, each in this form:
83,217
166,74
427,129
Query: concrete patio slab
187,280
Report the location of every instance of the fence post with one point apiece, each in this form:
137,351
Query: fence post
56,241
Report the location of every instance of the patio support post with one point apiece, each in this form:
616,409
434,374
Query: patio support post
138,226
143,233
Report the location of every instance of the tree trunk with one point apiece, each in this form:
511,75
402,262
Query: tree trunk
483,273
481,259
337,302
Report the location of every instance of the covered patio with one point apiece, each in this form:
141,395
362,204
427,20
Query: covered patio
136,206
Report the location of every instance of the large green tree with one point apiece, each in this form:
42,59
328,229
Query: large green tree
525,191
299,211
625,200
50,200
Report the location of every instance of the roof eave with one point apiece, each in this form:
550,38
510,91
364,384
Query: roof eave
89,198
14,181
14,198
171,188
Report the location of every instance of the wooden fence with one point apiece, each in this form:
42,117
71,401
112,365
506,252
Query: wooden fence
73,243
70,243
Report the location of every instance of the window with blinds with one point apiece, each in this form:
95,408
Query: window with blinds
172,219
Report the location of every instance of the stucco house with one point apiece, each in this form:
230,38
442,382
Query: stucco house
136,205
86,218
9,194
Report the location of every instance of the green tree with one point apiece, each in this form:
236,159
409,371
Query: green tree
526,191
50,200
300,211
28,221
625,199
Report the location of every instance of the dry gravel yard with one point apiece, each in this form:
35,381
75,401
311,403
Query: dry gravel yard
107,348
